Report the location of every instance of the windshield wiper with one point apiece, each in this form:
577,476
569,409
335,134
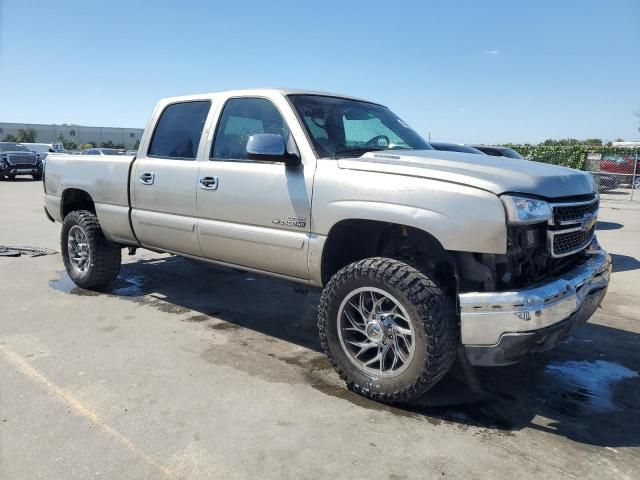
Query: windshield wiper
356,152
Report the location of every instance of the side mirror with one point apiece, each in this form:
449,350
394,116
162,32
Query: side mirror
271,147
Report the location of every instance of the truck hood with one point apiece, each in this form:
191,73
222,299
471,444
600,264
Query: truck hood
494,174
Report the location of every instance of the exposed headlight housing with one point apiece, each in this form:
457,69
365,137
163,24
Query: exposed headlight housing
524,210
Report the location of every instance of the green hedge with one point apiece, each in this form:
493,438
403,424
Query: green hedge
573,156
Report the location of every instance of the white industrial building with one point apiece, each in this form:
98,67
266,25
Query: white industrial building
78,134
626,144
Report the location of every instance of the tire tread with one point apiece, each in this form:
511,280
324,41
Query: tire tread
436,311
105,255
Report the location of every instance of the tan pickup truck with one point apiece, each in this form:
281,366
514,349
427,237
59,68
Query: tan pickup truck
421,254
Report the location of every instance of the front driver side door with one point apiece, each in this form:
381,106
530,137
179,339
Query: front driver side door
257,213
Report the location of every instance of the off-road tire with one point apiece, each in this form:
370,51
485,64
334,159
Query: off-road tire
432,314
105,256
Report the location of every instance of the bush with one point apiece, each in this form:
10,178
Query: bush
573,156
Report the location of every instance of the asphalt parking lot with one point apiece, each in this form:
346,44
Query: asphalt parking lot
184,370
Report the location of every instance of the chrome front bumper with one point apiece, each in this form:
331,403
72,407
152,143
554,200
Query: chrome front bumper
486,318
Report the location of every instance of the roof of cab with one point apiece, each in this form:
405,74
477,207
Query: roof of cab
260,91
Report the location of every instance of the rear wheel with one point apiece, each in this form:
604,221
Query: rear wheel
37,176
388,329
90,259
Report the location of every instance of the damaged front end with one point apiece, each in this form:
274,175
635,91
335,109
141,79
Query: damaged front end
551,278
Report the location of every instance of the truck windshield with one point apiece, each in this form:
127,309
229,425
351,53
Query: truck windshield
12,147
340,127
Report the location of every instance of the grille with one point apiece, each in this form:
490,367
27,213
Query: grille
575,212
21,160
566,243
573,226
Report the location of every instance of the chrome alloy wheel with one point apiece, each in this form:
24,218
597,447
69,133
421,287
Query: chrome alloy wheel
78,249
375,332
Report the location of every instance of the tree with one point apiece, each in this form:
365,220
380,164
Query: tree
107,144
572,141
27,135
10,138
563,141
136,145
67,144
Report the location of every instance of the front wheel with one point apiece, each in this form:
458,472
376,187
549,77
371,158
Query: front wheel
389,330
90,259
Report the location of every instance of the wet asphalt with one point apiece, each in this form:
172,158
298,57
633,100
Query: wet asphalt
185,370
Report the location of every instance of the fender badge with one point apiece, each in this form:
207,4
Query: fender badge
290,222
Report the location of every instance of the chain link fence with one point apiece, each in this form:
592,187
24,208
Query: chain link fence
615,169
617,174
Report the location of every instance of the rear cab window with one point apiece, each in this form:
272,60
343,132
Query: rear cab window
179,130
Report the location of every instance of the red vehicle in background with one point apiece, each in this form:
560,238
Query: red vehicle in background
624,167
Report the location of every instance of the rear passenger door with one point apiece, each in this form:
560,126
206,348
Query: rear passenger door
164,180
257,213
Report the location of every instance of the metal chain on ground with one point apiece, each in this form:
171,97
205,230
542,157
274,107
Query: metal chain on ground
11,251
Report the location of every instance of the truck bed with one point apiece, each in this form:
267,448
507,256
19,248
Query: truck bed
104,178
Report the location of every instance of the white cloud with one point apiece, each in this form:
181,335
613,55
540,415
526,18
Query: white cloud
492,52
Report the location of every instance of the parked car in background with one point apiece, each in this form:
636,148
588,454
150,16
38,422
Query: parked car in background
44,149
622,165
16,159
103,151
455,147
499,151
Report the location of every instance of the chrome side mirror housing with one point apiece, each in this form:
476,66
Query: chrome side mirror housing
271,147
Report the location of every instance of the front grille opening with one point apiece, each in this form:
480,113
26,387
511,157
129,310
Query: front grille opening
573,226
570,242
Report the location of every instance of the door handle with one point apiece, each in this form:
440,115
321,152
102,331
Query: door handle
147,178
209,183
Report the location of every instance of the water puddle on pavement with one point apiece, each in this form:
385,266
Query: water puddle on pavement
589,383
131,286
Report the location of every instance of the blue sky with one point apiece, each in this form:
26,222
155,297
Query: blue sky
470,71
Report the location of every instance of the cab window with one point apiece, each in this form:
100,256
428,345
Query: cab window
241,118
179,129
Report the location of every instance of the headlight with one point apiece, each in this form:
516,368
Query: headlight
523,210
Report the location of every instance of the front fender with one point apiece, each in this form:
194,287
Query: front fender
460,217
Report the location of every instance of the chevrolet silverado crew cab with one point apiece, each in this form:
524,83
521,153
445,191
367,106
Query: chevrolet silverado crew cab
420,254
